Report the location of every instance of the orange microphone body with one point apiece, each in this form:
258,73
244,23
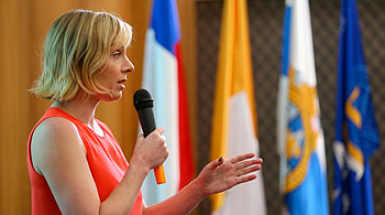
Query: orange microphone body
144,105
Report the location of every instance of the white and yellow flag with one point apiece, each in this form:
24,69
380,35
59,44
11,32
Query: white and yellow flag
234,126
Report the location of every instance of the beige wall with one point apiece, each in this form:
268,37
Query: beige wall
23,25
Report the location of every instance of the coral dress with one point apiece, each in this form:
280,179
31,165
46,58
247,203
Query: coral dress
105,159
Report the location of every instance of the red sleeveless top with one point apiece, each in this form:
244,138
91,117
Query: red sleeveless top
105,159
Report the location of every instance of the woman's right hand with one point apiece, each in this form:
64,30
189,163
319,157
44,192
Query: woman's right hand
150,152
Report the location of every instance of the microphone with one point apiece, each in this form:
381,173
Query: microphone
144,106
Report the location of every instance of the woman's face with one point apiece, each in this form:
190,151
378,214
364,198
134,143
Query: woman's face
114,74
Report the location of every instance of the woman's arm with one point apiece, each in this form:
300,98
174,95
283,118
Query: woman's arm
216,177
58,154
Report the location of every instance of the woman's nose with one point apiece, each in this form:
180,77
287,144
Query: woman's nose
129,66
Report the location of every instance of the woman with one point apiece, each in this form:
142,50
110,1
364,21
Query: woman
75,164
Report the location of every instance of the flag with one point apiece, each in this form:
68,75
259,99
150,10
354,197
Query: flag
357,135
234,118
163,76
303,178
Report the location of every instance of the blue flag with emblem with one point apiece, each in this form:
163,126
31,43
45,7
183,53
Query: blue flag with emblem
357,135
300,136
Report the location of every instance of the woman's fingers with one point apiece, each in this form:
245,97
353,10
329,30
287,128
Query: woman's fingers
246,178
248,170
213,165
242,157
247,163
243,175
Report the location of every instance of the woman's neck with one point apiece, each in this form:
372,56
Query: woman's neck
81,107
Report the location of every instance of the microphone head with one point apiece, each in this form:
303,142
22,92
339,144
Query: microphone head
143,99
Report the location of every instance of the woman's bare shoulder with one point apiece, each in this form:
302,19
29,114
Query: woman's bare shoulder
53,138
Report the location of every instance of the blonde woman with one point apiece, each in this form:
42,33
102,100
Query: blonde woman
75,164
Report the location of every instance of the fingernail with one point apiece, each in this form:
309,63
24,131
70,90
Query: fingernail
163,137
220,159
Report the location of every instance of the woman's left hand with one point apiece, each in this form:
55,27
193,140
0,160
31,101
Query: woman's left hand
223,174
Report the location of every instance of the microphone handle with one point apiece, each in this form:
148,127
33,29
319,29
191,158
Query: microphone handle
147,121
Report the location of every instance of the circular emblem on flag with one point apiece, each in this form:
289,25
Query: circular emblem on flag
302,133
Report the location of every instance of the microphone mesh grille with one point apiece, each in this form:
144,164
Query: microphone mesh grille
142,99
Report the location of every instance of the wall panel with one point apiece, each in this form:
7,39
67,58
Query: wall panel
23,25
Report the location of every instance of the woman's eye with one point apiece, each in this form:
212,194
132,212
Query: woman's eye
116,54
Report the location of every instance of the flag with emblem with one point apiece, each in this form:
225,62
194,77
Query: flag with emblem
357,136
303,180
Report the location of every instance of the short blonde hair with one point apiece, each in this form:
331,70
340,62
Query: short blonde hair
76,48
